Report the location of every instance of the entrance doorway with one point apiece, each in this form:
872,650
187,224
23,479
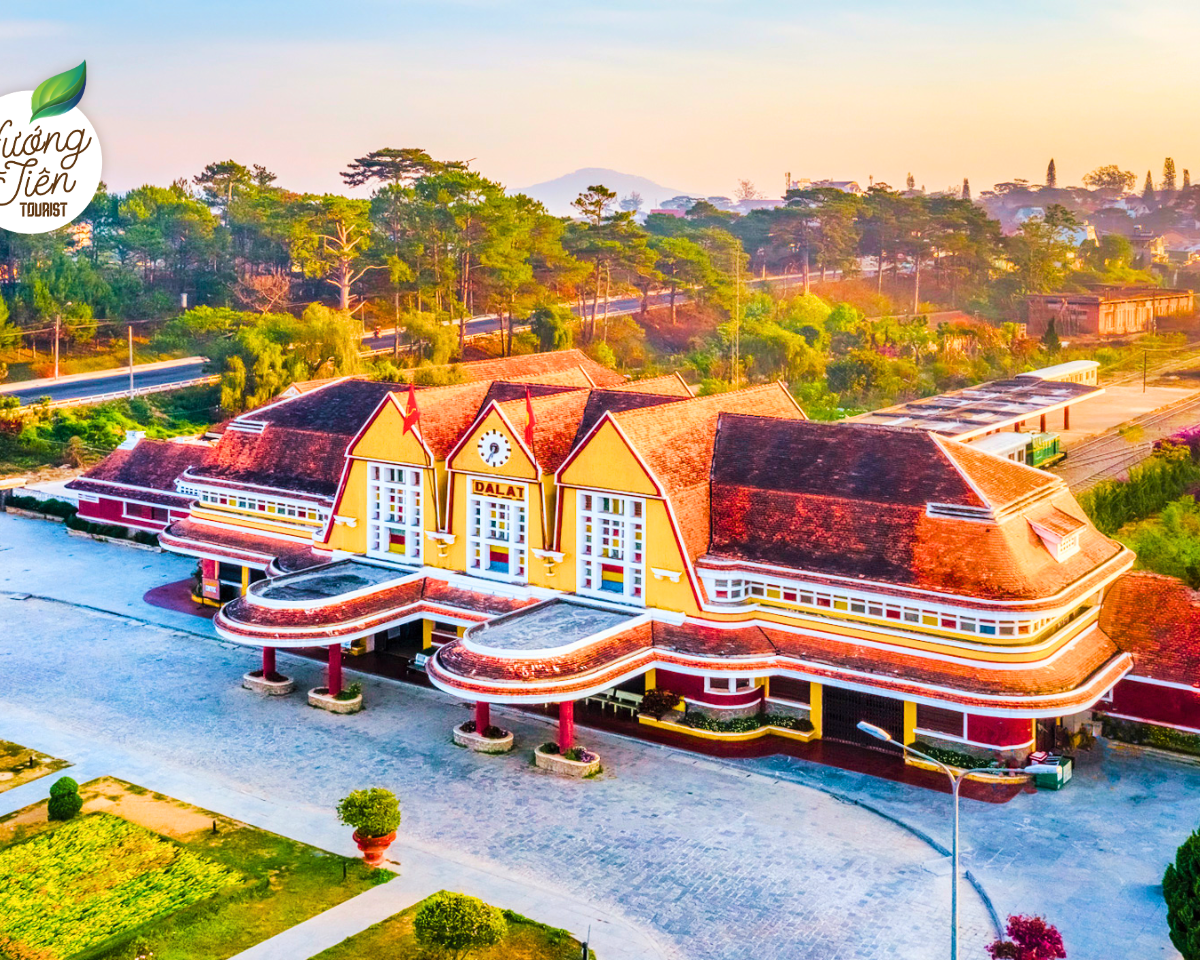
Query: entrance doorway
843,709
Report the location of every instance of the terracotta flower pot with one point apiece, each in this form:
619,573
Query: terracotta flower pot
373,848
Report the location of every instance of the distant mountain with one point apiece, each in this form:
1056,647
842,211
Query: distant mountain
557,194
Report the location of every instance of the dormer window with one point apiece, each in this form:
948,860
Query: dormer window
1059,533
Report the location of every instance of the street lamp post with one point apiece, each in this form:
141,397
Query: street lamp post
956,780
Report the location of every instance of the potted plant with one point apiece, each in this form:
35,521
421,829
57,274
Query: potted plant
374,814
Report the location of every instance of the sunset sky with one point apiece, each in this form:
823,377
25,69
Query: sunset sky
691,93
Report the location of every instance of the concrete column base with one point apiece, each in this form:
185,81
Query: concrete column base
558,764
272,688
481,744
321,698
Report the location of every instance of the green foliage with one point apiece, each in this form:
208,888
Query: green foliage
352,692
75,887
457,924
64,786
1150,735
1152,484
1181,891
374,812
756,721
1169,543
954,758
64,806
657,702
553,326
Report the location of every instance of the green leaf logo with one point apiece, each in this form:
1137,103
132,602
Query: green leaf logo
59,94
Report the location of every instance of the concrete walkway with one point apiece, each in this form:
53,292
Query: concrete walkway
422,869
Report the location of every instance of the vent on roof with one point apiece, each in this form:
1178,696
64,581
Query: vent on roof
958,511
247,426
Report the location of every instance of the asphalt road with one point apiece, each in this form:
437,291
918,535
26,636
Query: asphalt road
69,389
82,389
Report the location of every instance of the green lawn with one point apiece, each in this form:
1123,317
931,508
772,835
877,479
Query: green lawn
95,885
393,939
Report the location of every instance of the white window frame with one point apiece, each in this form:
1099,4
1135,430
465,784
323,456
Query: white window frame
479,544
406,484
736,685
594,513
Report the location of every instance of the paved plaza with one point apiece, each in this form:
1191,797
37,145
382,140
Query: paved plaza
702,858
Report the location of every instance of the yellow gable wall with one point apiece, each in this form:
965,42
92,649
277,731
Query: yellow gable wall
607,463
353,504
460,490
467,459
385,440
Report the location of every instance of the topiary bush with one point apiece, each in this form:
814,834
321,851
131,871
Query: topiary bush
65,801
457,924
1181,891
656,703
373,813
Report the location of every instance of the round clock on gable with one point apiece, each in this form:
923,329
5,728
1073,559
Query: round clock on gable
494,448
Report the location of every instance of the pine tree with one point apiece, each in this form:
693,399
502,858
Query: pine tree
1168,180
1181,891
1148,188
911,182
1187,179
966,193
1050,338
1051,175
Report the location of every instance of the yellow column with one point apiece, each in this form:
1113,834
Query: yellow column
651,681
460,629
910,722
426,634
814,708
245,580
765,683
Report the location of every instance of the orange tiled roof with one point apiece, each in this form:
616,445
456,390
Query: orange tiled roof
671,385
676,441
1156,619
1074,678
195,538
149,465
1001,482
532,365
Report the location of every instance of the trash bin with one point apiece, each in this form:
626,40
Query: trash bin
1056,778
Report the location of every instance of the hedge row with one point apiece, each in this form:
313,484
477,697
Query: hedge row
61,508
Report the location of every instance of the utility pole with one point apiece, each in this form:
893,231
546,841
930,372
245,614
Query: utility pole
737,316
57,321
1145,356
130,329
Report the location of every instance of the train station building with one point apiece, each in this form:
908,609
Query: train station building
548,533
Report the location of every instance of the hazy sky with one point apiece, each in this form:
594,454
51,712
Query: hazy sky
692,93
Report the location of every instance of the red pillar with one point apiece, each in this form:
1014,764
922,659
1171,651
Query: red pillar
1043,423
566,725
483,716
335,669
268,661
1066,418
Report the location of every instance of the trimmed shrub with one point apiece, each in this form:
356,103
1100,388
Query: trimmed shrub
656,703
352,692
63,785
1181,891
1030,938
373,813
1149,735
457,924
955,758
700,721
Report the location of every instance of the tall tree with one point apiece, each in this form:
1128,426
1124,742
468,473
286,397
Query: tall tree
632,202
1051,175
1187,178
1168,177
395,166
337,245
1110,179
218,181
1148,188
910,182
966,188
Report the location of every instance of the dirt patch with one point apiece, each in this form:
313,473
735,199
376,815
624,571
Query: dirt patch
16,767
692,322
171,818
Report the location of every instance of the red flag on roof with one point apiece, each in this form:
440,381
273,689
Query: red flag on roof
529,421
411,413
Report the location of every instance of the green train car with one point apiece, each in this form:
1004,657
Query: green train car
1044,450
1034,449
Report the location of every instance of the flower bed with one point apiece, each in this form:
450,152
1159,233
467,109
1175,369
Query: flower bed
76,887
699,721
492,740
576,762
956,758
273,684
348,701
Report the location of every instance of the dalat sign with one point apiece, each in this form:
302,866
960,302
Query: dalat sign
49,155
